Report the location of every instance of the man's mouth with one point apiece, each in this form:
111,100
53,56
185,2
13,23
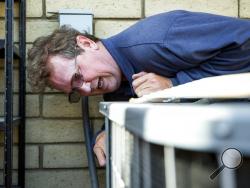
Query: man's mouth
100,83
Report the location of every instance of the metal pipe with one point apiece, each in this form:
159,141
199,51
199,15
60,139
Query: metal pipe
22,86
108,155
88,135
8,102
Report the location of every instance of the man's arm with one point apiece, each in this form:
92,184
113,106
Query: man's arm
209,45
198,37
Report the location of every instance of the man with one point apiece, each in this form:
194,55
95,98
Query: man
158,52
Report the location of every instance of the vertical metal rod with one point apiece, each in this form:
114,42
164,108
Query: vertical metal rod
108,153
87,134
146,166
22,86
227,178
170,167
8,102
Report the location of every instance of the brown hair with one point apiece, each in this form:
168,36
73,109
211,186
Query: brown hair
61,42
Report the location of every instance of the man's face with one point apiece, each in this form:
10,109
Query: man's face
99,77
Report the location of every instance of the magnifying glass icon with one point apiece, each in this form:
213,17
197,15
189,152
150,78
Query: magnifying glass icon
231,158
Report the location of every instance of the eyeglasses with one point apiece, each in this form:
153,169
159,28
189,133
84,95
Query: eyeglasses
77,81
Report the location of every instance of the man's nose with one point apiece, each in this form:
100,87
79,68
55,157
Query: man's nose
85,89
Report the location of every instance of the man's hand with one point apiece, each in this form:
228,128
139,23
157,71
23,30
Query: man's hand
99,148
145,83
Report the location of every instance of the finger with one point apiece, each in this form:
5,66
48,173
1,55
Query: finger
100,155
139,81
145,91
99,148
101,138
135,76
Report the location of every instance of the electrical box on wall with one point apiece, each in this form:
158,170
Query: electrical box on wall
78,19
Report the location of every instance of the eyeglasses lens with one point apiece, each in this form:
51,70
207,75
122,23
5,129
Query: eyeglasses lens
76,82
74,96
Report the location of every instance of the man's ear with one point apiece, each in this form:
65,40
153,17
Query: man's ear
86,43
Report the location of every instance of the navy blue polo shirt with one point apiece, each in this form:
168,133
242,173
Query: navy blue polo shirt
183,46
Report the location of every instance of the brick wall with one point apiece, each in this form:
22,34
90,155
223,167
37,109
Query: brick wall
55,153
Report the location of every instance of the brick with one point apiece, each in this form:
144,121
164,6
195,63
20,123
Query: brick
94,106
244,8
101,177
224,7
15,157
2,80
32,106
15,135
58,106
41,28
103,9
53,131
28,87
58,178
63,178
97,124
31,159
15,61
64,156
32,103
16,80
2,157
15,105
14,177
2,9
107,28
32,156
1,104
33,8
2,30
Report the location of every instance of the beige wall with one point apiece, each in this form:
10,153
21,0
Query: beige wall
55,153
